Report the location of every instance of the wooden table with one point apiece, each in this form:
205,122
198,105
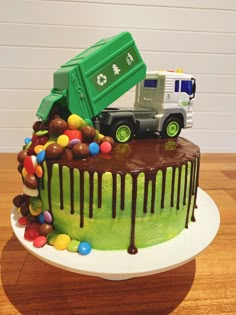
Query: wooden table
206,285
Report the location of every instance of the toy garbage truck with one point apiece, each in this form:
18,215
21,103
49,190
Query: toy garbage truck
94,79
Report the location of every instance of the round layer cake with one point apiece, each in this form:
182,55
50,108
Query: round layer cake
141,194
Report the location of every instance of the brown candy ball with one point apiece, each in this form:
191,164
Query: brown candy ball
88,133
54,151
19,200
68,155
80,150
21,156
37,125
24,210
45,229
30,181
57,126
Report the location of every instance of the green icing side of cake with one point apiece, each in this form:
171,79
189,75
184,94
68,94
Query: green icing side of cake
107,208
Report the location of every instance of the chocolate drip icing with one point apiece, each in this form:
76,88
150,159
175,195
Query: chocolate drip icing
72,210
137,162
81,198
163,189
172,187
132,248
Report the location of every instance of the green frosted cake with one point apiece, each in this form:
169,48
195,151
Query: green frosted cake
136,195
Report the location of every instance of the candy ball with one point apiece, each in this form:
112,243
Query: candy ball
88,133
54,151
80,150
38,148
40,156
45,229
30,192
21,156
84,248
35,206
73,134
74,121
40,241
73,246
47,216
31,231
63,140
41,218
68,155
57,126
105,147
51,237
93,148
22,221
30,164
19,200
39,171
24,209
30,181
61,241
27,140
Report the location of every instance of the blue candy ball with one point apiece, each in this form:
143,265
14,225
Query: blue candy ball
41,156
41,218
27,140
84,248
93,148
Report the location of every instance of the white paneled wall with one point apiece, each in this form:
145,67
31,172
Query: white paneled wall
36,37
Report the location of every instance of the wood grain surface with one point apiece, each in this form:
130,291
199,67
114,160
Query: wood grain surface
206,285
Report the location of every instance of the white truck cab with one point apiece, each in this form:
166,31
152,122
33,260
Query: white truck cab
170,94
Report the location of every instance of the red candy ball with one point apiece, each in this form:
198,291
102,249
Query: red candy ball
40,241
30,164
31,231
105,147
73,134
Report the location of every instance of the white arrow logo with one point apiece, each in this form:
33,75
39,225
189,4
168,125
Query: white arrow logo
101,79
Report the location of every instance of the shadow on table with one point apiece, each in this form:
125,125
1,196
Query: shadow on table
34,287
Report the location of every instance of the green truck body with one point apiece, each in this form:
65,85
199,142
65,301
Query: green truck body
95,78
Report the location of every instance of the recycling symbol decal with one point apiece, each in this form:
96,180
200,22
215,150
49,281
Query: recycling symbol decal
101,79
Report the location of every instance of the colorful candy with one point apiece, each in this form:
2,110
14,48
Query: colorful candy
40,241
105,147
30,163
31,231
94,148
73,246
47,216
84,248
63,140
61,241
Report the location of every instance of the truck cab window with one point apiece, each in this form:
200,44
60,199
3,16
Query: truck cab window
177,86
187,87
151,83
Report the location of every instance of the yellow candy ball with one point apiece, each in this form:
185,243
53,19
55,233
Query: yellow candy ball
63,140
61,241
74,121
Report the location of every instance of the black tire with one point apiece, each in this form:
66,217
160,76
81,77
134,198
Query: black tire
171,127
122,131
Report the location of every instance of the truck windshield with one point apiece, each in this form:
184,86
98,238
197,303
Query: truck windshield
187,87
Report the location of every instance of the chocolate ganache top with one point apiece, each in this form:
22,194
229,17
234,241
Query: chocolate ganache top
138,155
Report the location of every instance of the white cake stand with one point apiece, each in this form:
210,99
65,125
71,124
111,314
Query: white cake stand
119,265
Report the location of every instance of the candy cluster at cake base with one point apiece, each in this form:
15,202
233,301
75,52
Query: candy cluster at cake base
71,139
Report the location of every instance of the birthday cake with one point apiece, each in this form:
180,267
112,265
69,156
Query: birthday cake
81,189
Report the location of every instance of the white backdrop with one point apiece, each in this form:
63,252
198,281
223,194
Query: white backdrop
36,37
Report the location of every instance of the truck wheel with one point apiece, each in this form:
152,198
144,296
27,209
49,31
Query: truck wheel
171,128
122,131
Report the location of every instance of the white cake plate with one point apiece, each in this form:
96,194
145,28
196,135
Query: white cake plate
119,265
